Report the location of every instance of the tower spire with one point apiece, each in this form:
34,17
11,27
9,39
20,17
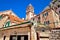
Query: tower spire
30,8
30,4
29,12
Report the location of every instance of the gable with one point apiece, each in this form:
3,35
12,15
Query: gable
9,19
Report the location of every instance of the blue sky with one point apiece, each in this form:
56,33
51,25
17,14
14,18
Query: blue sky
19,6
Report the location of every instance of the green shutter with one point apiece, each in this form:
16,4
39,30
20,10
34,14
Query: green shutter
7,24
0,17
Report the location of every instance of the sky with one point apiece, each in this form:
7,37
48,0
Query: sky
19,6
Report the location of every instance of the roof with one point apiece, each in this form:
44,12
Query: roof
21,25
10,17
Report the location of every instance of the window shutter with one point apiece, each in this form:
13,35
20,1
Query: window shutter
7,24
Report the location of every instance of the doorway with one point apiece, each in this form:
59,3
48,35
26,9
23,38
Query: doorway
19,37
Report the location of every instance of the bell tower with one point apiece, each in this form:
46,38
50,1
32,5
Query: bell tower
29,12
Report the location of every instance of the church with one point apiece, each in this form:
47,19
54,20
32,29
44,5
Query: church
33,27
14,28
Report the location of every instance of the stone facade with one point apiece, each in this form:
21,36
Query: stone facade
43,34
49,18
55,34
14,31
18,30
55,5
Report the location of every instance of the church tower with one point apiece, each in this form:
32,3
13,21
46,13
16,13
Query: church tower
29,12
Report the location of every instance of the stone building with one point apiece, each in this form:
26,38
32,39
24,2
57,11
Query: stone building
14,28
44,21
16,32
55,34
49,18
55,5
33,27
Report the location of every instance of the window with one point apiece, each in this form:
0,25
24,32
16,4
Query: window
58,6
46,14
59,11
39,18
19,37
13,37
4,37
53,2
46,22
43,15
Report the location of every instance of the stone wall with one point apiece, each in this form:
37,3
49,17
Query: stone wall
44,35
55,34
14,31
